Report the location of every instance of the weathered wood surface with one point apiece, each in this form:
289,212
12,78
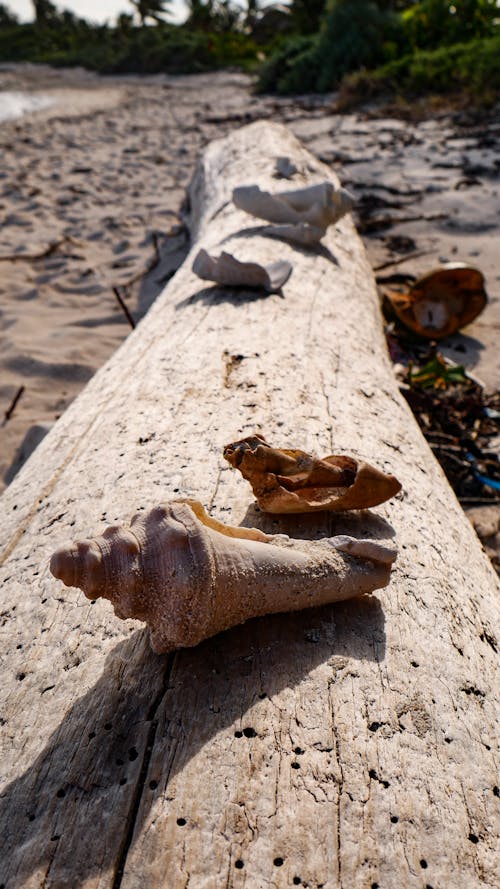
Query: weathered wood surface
353,746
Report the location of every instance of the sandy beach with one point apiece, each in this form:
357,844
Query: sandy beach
92,187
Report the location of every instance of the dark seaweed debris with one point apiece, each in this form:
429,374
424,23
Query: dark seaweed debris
458,420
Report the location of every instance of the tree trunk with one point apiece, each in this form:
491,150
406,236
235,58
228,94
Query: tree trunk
351,746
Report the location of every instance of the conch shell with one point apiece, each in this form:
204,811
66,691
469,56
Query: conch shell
229,271
188,576
302,215
441,302
293,481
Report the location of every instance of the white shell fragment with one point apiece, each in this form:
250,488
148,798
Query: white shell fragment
229,271
284,168
302,215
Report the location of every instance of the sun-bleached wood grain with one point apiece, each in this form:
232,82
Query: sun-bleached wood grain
347,747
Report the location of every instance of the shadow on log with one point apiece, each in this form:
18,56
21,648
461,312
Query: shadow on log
100,746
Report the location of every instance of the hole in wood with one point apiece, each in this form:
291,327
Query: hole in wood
132,754
107,726
238,734
61,793
423,863
372,773
181,822
153,785
295,765
239,864
298,751
473,838
278,862
297,881
249,732
394,819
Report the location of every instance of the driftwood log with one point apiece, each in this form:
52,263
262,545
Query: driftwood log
351,746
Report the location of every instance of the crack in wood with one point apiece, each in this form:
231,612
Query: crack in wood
328,408
195,327
339,798
137,796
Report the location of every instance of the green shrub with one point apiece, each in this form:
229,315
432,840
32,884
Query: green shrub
432,23
353,35
144,50
472,68
306,15
282,67
148,50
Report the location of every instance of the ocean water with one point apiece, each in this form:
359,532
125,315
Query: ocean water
15,104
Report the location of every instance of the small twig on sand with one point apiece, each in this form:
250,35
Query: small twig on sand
124,307
31,257
150,265
10,410
391,262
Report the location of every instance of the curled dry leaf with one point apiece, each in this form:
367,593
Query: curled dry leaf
440,302
188,576
302,215
291,481
230,272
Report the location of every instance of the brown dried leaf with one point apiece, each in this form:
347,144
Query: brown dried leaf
440,302
291,481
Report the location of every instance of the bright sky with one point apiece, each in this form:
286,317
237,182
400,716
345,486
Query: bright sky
95,10
92,10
